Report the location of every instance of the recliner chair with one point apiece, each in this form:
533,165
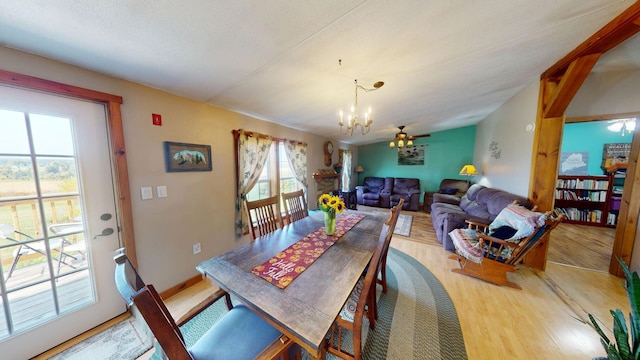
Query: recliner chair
407,189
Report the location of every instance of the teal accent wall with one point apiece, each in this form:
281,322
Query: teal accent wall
590,137
447,152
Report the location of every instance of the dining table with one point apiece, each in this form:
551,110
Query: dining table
304,310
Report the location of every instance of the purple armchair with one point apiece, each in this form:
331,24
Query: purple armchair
407,189
374,191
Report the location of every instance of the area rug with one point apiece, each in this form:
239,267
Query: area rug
416,318
403,226
121,341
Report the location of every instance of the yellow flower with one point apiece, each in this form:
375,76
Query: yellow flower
330,203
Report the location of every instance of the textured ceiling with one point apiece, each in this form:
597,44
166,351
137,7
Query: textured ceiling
445,63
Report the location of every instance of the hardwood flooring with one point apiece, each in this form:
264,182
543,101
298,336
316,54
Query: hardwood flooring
589,247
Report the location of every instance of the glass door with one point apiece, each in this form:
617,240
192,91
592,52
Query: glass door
58,223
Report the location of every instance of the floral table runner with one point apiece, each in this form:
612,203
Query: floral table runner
283,268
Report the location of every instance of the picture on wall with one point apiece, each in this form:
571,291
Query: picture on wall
574,163
187,157
413,155
615,157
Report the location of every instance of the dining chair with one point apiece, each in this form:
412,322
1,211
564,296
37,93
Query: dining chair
9,233
295,205
263,215
393,220
361,303
238,334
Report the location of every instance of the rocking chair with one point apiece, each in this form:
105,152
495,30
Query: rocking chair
489,252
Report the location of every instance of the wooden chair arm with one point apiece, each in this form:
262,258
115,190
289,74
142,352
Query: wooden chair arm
205,304
477,226
493,240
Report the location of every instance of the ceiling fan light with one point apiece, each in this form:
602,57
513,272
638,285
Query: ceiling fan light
400,143
630,126
392,144
615,127
410,143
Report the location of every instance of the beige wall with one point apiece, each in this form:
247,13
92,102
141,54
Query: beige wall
200,205
507,126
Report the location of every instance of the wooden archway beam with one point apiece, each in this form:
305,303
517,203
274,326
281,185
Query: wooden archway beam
558,86
569,84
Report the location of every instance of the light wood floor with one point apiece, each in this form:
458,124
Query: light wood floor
539,322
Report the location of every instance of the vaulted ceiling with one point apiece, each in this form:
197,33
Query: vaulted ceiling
445,64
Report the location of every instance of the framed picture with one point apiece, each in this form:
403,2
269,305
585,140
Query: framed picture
574,163
187,157
413,155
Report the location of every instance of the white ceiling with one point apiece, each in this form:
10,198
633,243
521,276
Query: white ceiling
445,63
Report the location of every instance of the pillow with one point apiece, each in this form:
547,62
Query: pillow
449,191
503,232
520,218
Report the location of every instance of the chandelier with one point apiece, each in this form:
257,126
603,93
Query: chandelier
622,124
353,120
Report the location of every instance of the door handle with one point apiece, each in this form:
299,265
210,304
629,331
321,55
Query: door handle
105,232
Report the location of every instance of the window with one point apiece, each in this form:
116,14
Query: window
277,176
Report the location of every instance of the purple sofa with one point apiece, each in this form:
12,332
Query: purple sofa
387,192
480,204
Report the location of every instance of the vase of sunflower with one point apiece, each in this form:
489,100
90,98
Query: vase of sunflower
331,205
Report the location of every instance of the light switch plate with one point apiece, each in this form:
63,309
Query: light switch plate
146,193
161,191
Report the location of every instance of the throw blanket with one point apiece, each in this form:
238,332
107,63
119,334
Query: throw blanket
518,217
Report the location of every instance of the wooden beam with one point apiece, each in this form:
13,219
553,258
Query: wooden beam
615,32
570,83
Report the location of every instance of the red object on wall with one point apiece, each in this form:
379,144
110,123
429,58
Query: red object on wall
157,119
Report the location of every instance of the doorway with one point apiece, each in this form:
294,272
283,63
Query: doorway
586,239
58,210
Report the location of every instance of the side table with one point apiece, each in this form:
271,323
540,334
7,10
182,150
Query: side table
350,199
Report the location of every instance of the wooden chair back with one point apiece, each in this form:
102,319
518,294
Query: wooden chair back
295,205
263,215
393,220
151,307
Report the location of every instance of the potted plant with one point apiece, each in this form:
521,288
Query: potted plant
622,349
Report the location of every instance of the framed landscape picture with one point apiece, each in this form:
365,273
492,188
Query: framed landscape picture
187,157
413,155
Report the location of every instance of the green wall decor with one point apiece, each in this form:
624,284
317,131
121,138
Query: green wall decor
447,152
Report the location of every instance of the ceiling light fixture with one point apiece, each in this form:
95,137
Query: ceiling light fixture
403,139
622,124
352,119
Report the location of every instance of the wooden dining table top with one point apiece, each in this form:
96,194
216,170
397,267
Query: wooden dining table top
306,309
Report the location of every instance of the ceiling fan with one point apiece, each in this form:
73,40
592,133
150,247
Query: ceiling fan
403,139
620,125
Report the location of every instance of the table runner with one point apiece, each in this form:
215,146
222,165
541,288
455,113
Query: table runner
283,268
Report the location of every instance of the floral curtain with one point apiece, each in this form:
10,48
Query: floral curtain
345,176
297,155
253,152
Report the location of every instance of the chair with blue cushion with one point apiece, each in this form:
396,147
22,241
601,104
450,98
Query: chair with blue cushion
239,334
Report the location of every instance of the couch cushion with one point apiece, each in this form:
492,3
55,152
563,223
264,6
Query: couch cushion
371,196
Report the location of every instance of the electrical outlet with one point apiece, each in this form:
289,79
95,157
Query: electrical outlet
196,248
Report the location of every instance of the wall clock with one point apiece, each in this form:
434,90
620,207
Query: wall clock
328,151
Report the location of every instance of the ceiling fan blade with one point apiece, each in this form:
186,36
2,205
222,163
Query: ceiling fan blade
420,136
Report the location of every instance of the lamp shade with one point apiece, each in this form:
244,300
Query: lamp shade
359,169
468,170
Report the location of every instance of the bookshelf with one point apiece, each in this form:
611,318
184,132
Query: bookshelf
617,186
584,199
